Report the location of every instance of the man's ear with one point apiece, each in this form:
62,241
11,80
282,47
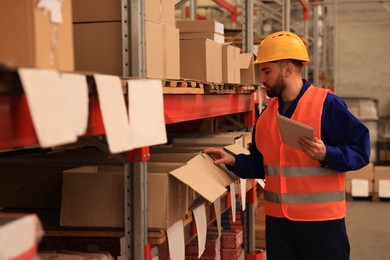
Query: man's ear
289,69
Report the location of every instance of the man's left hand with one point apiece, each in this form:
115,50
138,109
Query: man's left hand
314,149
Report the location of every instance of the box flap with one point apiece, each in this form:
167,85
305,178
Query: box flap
235,149
204,177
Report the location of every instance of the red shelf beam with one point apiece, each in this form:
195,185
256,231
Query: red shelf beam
180,108
18,131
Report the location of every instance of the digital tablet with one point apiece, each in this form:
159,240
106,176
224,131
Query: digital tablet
291,131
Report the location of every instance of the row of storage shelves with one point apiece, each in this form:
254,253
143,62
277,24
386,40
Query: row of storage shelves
21,145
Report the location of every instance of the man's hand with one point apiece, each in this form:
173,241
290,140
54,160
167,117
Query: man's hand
221,156
315,150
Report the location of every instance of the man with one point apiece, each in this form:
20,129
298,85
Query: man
304,195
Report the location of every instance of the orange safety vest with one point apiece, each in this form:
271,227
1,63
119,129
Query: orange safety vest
296,186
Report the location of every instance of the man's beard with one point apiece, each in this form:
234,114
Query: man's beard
276,89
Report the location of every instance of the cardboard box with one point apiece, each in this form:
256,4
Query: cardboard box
153,9
96,10
220,38
82,187
200,26
98,47
167,200
380,173
31,39
366,173
229,238
206,178
81,191
168,16
231,64
154,50
360,182
203,54
171,52
248,70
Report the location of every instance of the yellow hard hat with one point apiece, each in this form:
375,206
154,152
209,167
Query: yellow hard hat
280,46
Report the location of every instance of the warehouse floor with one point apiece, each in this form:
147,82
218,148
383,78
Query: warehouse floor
368,226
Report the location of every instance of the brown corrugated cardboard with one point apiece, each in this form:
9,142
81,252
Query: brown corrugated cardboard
168,12
247,69
154,50
153,9
220,38
203,176
80,193
203,54
230,64
168,198
380,173
96,10
200,26
30,39
98,47
366,172
171,52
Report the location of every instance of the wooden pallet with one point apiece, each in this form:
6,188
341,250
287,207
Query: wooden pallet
182,87
215,88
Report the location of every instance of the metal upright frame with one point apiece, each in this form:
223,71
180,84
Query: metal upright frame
133,64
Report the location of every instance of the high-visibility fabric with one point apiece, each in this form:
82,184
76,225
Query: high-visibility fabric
297,187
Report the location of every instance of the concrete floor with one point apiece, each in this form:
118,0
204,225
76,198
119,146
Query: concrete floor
368,227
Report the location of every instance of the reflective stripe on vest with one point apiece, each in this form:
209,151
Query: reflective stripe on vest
297,187
305,198
295,171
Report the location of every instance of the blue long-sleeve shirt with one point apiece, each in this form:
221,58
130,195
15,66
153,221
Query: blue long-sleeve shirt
346,139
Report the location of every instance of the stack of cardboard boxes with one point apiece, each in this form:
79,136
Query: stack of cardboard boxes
360,183
36,36
88,36
98,38
382,181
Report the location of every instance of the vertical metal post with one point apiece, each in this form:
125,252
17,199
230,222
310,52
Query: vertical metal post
138,197
316,54
136,208
193,7
248,27
335,40
134,42
287,15
133,64
306,33
248,48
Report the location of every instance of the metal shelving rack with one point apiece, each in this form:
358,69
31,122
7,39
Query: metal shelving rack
19,132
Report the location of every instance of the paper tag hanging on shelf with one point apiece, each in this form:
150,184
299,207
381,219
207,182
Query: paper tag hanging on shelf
146,113
47,106
75,91
233,200
243,193
217,208
114,112
201,227
176,243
